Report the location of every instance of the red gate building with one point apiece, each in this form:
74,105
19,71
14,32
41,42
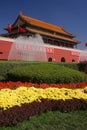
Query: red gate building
60,45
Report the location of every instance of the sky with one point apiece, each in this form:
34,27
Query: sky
70,14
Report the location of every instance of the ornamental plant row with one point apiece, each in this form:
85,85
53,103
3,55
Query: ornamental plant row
10,98
14,85
19,101
17,114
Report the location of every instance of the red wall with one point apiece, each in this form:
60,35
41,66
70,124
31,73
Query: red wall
69,55
52,52
4,49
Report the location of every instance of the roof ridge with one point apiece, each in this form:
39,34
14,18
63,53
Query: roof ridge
21,15
43,24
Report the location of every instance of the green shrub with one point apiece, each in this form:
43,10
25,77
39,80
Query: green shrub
45,72
71,65
4,68
82,66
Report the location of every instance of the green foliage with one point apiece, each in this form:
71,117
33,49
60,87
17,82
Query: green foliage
40,72
82,66
71,65
45,72
4,68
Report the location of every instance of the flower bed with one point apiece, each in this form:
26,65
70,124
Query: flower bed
14,85
19,101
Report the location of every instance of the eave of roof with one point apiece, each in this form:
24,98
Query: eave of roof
52,35
44,25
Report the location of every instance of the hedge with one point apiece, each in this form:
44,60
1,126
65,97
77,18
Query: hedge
45,72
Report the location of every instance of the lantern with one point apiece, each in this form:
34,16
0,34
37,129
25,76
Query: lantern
86,44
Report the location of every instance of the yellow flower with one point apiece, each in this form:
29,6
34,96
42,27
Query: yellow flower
21,95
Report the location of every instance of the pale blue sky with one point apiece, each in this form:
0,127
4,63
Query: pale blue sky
70,14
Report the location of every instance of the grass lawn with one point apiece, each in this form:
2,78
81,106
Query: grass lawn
54,121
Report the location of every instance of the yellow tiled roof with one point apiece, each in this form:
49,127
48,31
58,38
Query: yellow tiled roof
51,35
44,25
